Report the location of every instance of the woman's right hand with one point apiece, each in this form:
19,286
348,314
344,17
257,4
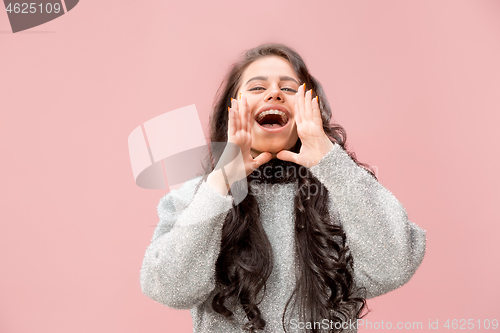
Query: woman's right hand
239,134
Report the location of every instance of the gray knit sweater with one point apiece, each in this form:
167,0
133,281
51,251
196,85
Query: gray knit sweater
179,266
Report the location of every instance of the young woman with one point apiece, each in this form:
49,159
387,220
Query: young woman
316,234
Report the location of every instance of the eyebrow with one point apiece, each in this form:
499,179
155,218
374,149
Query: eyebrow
264,78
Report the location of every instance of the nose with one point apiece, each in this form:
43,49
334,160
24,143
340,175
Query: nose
274,94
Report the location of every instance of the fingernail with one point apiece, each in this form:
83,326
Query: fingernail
231,99
240,95
304,86
311,91
317,99
228,109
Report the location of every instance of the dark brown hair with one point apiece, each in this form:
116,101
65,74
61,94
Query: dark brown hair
324,283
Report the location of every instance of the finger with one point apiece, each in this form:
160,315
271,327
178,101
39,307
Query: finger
316,111
234,103
286,155
298,120
249,117
301,103
308,105
261,159
234,108
242,110
232,125
244,114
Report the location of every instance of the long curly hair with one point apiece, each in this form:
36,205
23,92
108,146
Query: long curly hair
324,283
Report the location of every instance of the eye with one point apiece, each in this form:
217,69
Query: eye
255,88
285,89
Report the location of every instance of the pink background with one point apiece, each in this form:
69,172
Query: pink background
414,83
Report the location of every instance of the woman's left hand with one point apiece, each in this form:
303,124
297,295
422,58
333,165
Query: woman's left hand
315,143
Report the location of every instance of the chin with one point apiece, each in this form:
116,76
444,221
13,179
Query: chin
274,148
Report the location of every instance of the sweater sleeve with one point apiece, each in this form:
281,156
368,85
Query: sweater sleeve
386,247
178,269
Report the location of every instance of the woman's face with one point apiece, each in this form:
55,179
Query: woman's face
269,85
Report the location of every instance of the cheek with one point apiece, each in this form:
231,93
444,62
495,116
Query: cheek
294,129
294,135
251,102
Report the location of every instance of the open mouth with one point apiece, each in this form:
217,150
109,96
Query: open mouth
272,119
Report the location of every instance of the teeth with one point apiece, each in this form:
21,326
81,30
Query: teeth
265,113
